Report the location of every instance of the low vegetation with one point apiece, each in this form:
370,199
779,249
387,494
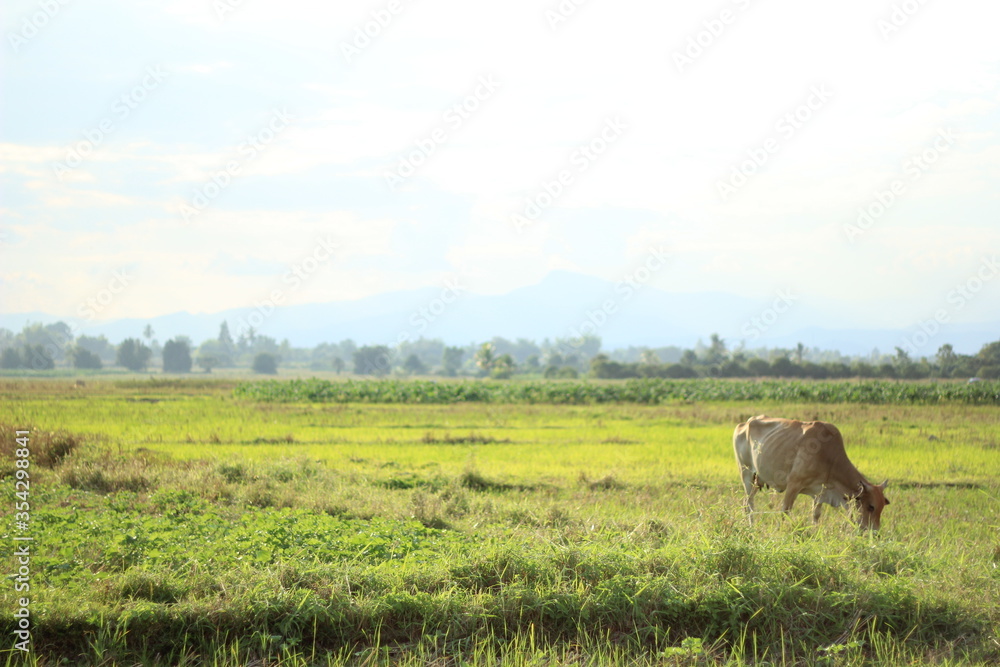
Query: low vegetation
646,392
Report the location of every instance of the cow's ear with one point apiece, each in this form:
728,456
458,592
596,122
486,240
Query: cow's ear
884,484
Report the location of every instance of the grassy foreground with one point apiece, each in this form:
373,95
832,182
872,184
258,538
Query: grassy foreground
174,523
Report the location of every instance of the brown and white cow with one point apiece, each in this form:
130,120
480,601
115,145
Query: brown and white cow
804,457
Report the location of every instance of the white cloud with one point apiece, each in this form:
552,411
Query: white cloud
656,184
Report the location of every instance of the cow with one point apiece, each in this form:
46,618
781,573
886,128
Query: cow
804,457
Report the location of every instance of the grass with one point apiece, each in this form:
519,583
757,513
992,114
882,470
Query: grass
184,526
647,391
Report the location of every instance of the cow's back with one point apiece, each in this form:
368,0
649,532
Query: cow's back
782,447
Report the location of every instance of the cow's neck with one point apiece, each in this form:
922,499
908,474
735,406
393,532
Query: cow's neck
847,480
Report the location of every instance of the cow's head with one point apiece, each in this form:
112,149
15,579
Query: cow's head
871,500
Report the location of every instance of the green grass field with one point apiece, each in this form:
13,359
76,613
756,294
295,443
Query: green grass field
179,522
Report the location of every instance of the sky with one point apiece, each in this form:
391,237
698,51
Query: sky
198,155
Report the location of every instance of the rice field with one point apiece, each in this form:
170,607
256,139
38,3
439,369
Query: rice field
198,522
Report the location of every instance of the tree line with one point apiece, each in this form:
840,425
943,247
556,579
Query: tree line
45,347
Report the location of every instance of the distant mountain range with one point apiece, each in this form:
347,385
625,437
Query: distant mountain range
563,305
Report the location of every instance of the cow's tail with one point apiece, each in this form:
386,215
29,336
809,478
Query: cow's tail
750,443
749,423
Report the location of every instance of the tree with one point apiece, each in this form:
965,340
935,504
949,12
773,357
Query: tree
903,363
227,348
813,370
338,365
373,360
601,366
347,348
37,358
265,364
53,339
215,349
246,340
649,358
799,349
485,357
85,359
783,367
414,366
837,369
148,333
99,345
176,356
680,371
428,351
732,369
10,358
503,367
265,344
862,369
533,363
716,350
451,360
207,361
988,361
133,355
587,346
758,367
946,359
989,355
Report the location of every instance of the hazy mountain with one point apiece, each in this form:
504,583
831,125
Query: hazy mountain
563,305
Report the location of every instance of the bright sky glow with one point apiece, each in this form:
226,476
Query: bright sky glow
207,147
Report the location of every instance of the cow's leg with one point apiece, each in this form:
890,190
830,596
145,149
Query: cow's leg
817,509
751,487
791,493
